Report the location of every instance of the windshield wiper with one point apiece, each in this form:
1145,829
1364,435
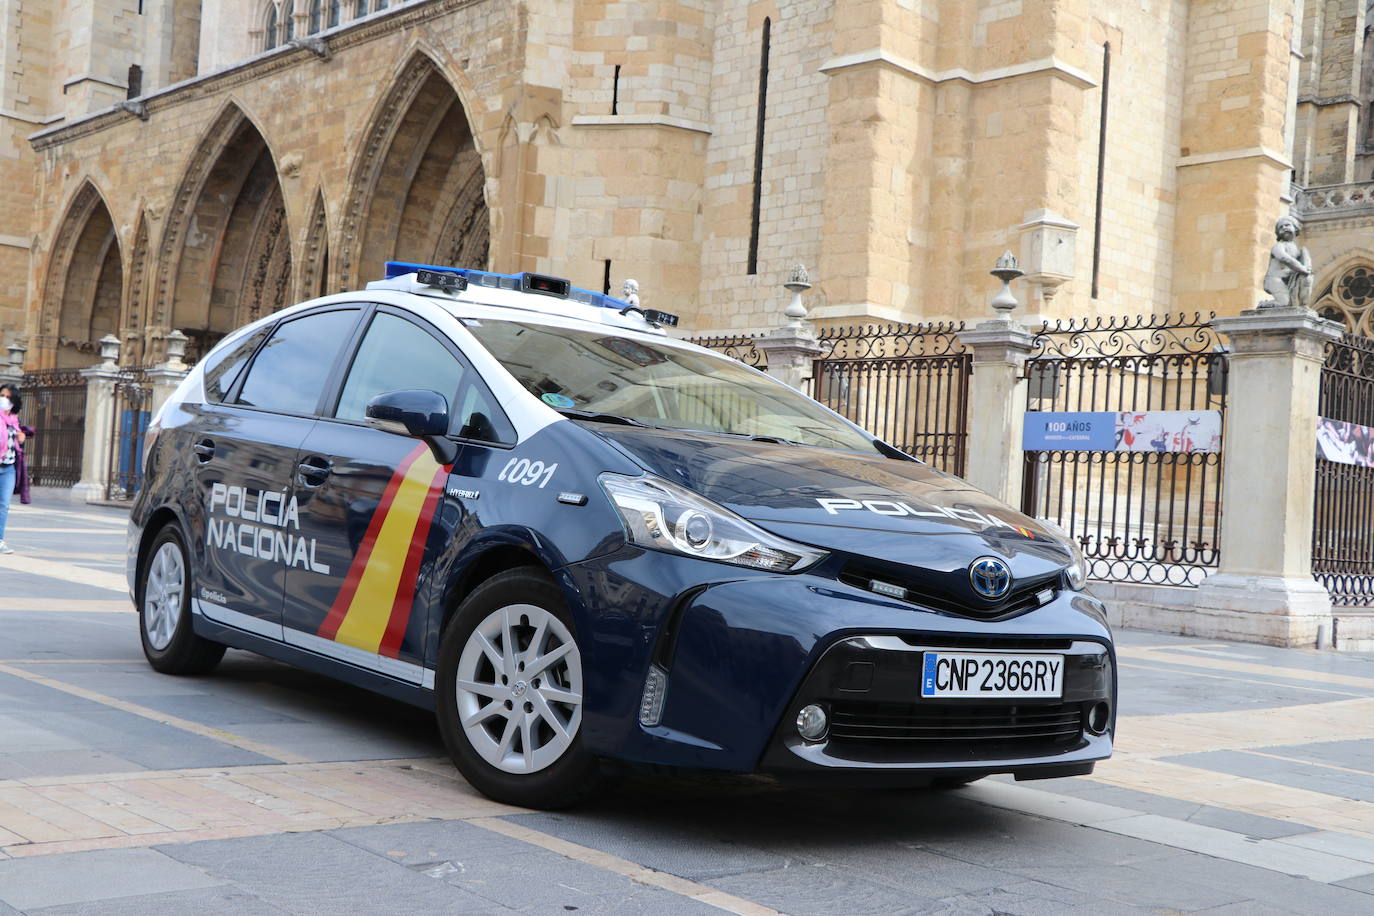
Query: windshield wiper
598,417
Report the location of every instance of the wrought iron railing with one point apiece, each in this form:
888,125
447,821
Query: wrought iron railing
55,407
739,347
907,384
1343,504
1140,516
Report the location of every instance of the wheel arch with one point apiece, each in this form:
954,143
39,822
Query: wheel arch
484,564
159,519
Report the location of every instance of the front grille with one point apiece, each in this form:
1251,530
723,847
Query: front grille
1024,596
956,732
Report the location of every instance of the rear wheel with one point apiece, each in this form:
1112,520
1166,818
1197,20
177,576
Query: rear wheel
509,694
164,610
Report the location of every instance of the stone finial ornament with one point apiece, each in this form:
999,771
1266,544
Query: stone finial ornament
798,282
1289,277
1006,270
629,291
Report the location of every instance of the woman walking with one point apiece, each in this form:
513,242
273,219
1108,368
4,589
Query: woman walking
11,438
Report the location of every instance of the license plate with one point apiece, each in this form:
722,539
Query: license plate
978,674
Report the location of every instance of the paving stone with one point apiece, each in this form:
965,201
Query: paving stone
316,874
215,901
1364,883
1283,772
43,881
1149,886
1284,892
823,890
513,873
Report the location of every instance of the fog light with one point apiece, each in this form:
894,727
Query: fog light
811,723
1099,715
651,703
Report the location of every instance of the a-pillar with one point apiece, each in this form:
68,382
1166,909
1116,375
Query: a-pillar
168,374
1264,590
997,407
95,448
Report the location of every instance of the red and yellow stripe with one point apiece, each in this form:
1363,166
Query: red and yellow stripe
373,608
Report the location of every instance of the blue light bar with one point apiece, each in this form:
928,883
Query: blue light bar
523,282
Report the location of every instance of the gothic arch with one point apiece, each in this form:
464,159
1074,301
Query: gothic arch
314,272
85,281
136,297
416,190
226,252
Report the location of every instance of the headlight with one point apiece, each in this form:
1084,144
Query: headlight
1076,573
663,516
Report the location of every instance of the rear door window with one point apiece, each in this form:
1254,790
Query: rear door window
290,371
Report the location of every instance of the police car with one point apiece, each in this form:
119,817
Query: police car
526,507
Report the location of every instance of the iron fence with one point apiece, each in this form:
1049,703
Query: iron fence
55,406
741,348
129,425
1149,512
905,383
1343,503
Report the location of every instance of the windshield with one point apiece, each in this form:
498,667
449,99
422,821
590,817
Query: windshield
601,375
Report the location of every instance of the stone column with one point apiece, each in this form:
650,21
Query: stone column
13,371
95,448
1264,590
997,406
167,375
790,352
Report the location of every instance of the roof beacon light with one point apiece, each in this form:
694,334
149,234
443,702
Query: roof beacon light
457,279
445,280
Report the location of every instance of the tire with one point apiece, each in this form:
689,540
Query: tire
513,729
164,609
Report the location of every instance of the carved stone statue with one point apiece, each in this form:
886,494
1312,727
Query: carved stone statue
1289,278
629,292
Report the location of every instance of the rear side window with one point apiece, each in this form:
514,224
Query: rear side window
223,368
291,369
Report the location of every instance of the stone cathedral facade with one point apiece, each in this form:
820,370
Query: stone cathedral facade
192,164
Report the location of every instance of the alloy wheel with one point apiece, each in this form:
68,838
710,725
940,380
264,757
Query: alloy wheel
162,592
519,689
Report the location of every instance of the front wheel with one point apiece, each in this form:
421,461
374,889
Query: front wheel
509,694
164,610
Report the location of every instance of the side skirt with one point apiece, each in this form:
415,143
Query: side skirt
413,694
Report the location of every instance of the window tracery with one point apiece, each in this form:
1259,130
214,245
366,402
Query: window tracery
1349,299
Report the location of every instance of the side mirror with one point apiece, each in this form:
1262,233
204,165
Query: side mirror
413,412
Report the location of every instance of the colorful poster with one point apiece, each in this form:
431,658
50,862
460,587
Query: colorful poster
1126,431
1345,443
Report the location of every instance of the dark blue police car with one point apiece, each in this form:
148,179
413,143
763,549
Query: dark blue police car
523,505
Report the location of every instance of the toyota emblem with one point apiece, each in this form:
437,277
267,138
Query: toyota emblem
989,577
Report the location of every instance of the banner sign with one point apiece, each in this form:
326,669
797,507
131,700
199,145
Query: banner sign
1128,431
1345,443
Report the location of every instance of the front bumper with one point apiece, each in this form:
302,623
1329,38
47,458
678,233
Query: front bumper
743,655
879,724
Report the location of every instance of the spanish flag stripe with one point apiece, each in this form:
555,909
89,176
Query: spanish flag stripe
365,622
344,599
405,592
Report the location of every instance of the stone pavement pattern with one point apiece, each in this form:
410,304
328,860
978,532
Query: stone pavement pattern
1244,783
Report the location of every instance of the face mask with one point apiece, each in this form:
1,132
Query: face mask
4,404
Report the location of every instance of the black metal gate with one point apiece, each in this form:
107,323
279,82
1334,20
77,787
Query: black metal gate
907,384
1343,506
55,406
132,399
1140,515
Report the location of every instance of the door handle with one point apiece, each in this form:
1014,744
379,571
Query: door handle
314,470
205,450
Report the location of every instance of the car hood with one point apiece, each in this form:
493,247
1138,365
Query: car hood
901,512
